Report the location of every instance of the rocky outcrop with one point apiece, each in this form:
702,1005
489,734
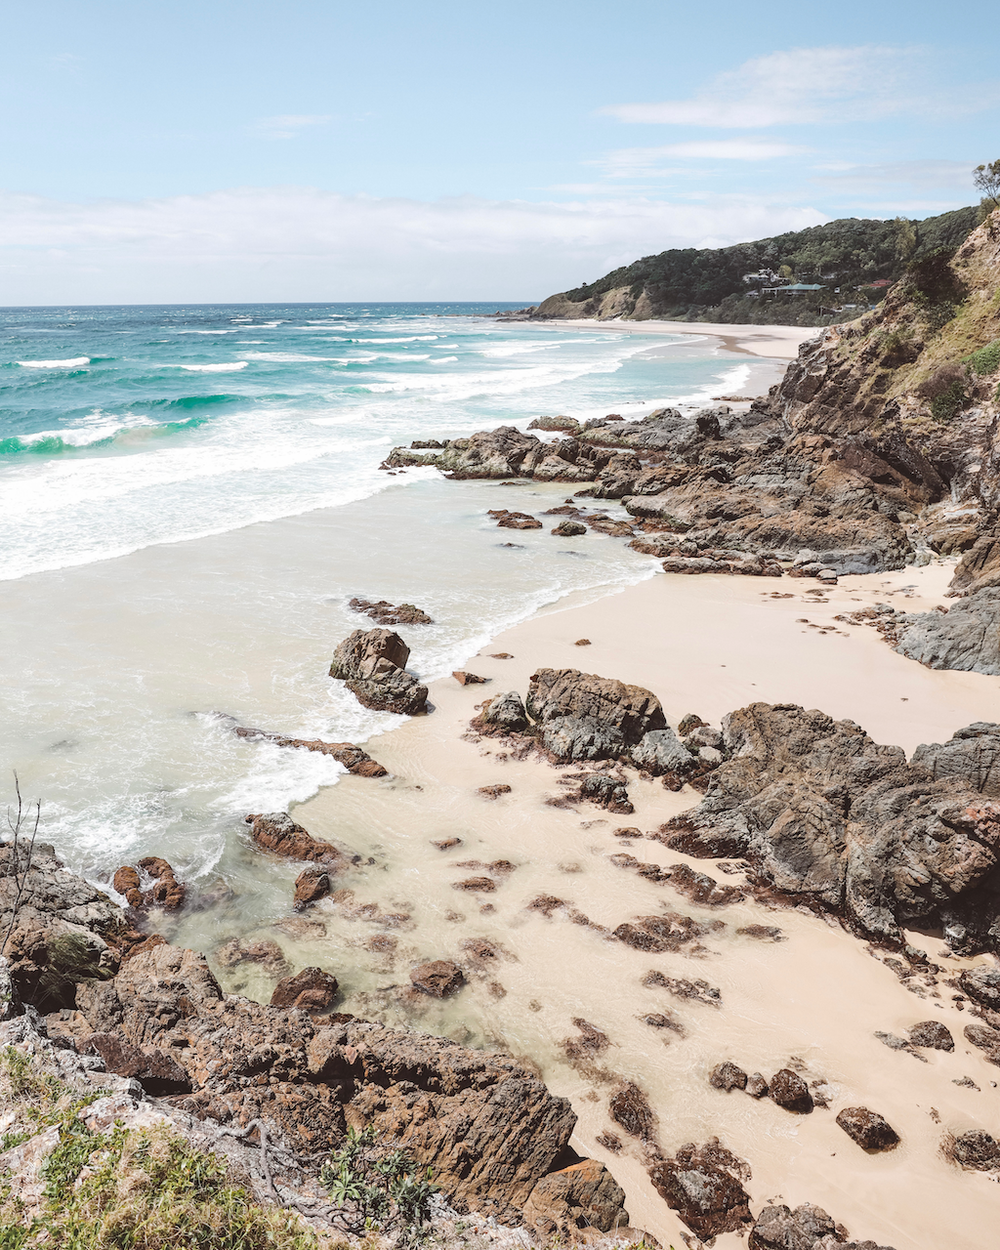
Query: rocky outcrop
372,664
311,885
972,754
386,613
500,453
583,716
870,1130
703,1184
966,637
808,1227
278,833
356,761
827,816
311,990
583,1196
166,891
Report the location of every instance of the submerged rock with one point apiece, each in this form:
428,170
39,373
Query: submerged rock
278,833
788,1090
703,1185
386,613
440,978
311,990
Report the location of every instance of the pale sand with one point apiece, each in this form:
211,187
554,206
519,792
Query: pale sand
709,645
780,341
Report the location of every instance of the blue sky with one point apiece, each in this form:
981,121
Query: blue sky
215,150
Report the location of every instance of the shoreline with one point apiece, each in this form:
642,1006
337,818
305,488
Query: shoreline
692,641
777,342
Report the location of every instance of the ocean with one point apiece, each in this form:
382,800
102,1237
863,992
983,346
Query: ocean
191,496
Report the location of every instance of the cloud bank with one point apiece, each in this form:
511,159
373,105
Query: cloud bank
302,244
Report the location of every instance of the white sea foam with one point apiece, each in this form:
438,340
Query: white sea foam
73,363
206,331
232,367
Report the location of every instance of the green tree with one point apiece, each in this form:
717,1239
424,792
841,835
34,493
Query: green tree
986,178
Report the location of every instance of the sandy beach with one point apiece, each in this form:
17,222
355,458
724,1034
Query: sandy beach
779,341
816,999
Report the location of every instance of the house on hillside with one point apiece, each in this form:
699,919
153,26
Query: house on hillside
794,288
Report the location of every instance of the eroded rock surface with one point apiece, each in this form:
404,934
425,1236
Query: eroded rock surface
824,814
278,833
703,1184
372,664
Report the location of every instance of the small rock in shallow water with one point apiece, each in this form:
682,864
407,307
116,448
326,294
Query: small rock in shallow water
493,792
569,529
311,990
975,1149
445,844
311,885
756,1086
631,1110
440,978
728,1076
932,1034
469,679
788,1090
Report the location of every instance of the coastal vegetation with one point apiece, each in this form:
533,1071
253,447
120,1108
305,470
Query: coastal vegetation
851,261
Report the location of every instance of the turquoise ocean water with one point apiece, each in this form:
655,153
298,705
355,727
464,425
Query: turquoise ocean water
189,497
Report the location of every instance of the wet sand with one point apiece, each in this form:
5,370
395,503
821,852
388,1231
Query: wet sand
814,1000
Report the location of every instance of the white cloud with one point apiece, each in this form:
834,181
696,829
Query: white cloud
809,85
925,175
288,125
292,243
627,162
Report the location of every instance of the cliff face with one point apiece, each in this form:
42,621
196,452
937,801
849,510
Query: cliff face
908,396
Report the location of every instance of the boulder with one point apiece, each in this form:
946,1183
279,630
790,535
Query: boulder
469,679
826,815
583,1196
515,520
778,1228
703,1185
504,714
311,885
278,833
976,1149
727,1076
630,1108
788,1090
982,984
166,891
756,1085
500,453
661,753
569,738
372,664
870,1130
566,692
932,1034
440,978
311,990
972,754
128,884
356,761
386,613
569,529
966,638
607,791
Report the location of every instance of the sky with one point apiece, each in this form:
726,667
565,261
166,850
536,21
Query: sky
214,151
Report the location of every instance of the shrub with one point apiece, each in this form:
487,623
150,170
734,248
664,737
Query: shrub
986,360
374,1186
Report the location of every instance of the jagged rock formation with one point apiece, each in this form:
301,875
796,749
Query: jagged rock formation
356,761
490,1130
278,833
372,664
826,815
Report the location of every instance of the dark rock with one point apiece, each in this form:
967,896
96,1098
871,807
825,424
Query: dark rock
982,984
986,1039
504,714
973,754
976,1149
660,752
932,1034
867,1128
476,885
762,932
158,1073
778,1228
728,1076
440,978
966,638
500,453
581,738
582,642
630,1108
566,692
515,520
278,833
311,990
788,1090
469,679
386,613
592,1041
697,991
311,885
702,1184
372,663
569,529
608,792
699,887
825,814
583,1196
756,1085
689,723
669,931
